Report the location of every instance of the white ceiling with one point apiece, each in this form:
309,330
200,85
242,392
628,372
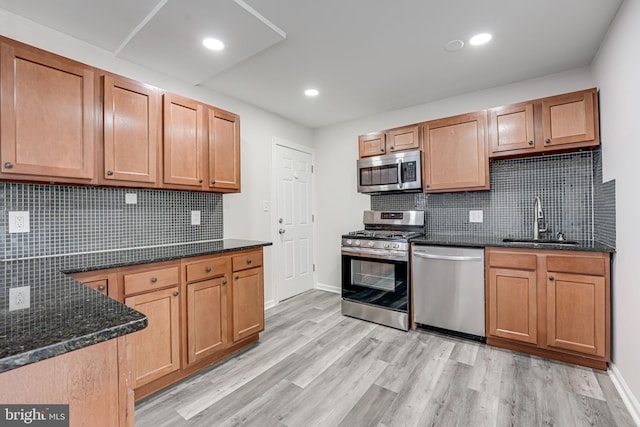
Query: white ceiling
365,56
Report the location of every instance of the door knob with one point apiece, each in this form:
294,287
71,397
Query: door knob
280,221
282,231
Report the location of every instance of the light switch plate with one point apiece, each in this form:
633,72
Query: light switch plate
131,198
475,216
19,222
195,217
265,206
19,298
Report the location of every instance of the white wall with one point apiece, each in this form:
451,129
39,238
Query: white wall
339,206
243,213
617,73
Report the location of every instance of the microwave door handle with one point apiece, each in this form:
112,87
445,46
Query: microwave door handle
400,173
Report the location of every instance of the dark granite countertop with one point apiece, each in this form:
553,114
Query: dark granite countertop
481,242
65,315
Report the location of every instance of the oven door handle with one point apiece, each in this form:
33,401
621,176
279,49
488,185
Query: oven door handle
400,173
447,258
376,254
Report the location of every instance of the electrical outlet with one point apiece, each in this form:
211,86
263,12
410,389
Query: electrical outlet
195,217
475,216
19,298
131,198
19,222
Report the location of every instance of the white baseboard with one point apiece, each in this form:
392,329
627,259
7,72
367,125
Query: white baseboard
328,288
626,394
269,304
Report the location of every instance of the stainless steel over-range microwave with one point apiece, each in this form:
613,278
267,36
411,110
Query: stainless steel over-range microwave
395,172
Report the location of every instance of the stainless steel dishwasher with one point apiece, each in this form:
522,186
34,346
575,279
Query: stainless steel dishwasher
448,289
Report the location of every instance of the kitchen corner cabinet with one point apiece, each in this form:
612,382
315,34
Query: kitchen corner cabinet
550,303
131,132
224,151
248,295
103,281
47,120
455,154
154,291
553,124
184,142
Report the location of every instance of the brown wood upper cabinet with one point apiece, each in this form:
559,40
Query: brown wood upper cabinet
550,303
390,141
47,128
224,150
556,123
455,154
131,132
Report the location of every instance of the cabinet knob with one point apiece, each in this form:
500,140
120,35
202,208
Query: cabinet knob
382,150
8,165
200,181
548,141
101,287
213,182
552,278
392,148
208,269
237,277
530,142
249,260
154,279
176,293
426,185
224,282
109,173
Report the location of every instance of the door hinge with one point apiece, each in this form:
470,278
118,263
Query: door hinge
314,267
313,218
311,168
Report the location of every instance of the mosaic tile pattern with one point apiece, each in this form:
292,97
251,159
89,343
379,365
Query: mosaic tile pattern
66,219
605,204
564,183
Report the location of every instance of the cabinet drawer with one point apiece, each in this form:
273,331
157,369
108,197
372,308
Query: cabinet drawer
154,279
512,260
207,269
592,266
101,286
248,260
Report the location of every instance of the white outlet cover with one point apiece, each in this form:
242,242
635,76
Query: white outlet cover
195,217
19,298
130,198
475,216
19,222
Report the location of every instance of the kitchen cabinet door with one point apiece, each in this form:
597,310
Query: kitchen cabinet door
224,151
576,312
131,114
371,144
184,143
455,156
248,303
570,119
47,121
511,129
156,349
207,319
512,305
404,138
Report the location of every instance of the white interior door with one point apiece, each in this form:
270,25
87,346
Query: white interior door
294,243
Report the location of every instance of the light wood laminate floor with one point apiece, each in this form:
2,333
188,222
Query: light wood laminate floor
315,367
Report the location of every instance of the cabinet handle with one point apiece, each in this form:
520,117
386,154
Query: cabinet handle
109,173
530,143
548,141
200,181
224,282
552,278
101,288
175,294
237,277
154,279
249,260
208,269
8,165
213,182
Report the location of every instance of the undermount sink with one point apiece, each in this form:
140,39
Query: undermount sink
541,241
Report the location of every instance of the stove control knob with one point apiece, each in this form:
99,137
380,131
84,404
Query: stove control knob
396,245
349,242
356,243
371,243
386,245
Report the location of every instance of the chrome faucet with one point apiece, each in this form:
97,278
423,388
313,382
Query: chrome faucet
539,226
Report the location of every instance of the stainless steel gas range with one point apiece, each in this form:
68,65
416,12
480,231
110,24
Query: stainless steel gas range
375,267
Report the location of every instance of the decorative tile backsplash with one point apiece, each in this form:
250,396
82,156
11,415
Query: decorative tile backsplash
71,220
565,184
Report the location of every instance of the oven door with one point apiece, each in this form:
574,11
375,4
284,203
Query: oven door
374,280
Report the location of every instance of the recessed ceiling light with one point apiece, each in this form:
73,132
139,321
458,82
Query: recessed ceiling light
479,39
213,44
312,92
454,45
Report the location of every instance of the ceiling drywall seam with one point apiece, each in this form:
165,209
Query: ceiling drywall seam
261,18
140,26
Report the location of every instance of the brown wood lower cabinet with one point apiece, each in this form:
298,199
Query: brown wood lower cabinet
550,303
248,303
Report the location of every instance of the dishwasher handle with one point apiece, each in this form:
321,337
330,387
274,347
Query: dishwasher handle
447,257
